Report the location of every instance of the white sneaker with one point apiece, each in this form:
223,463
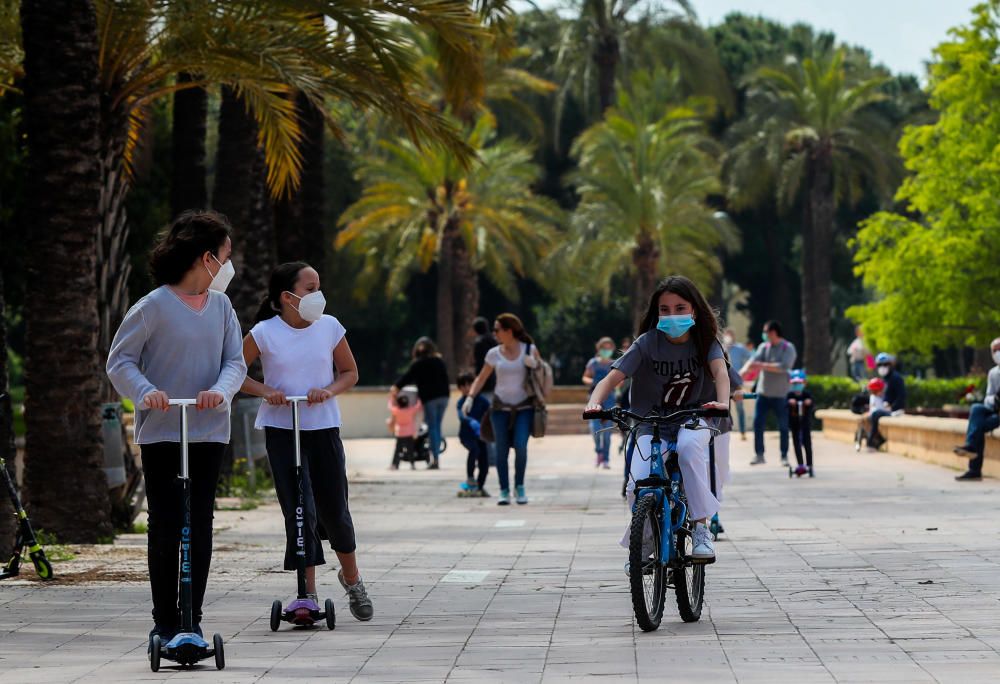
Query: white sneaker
703,551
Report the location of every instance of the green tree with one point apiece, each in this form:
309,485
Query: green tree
645,176
934,266
422,207
812,140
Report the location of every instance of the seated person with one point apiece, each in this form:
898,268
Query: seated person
895,396
982,419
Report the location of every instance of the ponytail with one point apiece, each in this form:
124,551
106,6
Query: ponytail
283,279
509,321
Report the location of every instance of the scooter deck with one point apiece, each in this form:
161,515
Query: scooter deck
187,648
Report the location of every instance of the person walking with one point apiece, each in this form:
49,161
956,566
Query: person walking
596,370
428,372
738,356
181,341
857,356
982,419
513,411
773,359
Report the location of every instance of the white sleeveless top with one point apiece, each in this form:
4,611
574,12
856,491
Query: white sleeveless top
296,360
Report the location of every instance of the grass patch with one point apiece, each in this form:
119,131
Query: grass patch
54,551
139,528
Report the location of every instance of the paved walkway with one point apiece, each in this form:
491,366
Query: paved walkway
880,569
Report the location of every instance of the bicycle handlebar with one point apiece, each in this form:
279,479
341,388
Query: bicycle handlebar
620,415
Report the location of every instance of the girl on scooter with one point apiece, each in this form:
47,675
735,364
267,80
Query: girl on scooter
299,346
181,340
675,360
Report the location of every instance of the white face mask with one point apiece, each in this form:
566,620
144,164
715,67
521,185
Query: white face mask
311,306
996,357
883,370
221,280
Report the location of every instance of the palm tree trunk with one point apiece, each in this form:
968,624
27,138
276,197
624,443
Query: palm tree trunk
446,299
64,462
466,298
298,220
8,451
187,188
606,56
646,261
816,267
241,194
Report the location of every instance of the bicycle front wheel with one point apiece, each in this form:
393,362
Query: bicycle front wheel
647,576
689,580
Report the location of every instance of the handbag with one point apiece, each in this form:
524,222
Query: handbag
486,427
540,420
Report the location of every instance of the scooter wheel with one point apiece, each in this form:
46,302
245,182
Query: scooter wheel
43,568
331,615
220,652
154,653
275,615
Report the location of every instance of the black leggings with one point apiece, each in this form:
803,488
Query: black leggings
324,482
801,438
161,465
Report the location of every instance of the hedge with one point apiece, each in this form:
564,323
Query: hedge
832,391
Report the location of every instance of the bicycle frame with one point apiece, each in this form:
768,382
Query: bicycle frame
668,495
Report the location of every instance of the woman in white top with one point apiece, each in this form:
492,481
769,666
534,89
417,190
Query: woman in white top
513,410
298,347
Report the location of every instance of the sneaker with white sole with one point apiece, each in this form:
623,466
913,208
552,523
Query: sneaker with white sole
703,551
360,604
504,498
522,498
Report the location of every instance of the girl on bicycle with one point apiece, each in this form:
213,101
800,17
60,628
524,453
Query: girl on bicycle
299,347
675,360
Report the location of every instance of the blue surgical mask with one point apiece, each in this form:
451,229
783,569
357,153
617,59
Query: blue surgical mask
798,386
605,353
675,326
763,337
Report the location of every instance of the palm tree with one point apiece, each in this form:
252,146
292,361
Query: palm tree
7,448
187,183
812,139
63,468
645,176
423,207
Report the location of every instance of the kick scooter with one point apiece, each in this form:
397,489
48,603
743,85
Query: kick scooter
303,611
25,537
188,647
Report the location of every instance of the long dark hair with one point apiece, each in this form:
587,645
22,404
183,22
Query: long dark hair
424,349
706,324
283,279
509,321
193,233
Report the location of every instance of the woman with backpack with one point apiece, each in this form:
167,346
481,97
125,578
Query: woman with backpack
512,413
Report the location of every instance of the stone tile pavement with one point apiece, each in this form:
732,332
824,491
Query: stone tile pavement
881,569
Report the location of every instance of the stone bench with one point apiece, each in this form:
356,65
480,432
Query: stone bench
924,438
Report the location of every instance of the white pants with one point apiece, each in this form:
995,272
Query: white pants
722,474
692,452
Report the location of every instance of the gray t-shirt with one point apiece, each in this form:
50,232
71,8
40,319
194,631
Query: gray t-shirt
164,344
666,376
770,383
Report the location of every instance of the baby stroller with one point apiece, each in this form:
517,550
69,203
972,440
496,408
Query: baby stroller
421,450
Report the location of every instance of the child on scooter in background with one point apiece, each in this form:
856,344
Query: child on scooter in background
299,346
800,409
403,424
469,433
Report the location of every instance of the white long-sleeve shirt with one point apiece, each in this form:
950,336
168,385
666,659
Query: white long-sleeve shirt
164,344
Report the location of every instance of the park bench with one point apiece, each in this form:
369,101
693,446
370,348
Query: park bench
924,438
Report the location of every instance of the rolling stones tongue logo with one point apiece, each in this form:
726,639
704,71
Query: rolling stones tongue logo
677,392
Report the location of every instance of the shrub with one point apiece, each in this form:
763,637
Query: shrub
832,391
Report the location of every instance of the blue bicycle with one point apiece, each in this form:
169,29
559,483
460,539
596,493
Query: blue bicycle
661,538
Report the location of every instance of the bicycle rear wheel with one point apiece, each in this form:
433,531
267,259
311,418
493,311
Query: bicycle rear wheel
647,576
689,580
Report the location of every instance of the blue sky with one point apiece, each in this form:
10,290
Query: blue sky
898,33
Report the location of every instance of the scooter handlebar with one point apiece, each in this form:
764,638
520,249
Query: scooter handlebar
182,402
296,398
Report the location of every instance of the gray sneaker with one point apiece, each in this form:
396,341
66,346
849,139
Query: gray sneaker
361,605
759,460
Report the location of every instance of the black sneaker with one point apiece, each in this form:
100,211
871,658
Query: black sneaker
361,605
969,475
165,634
964,450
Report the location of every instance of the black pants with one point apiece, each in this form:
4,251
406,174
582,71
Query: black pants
478,456
801,438
324,485
161,465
